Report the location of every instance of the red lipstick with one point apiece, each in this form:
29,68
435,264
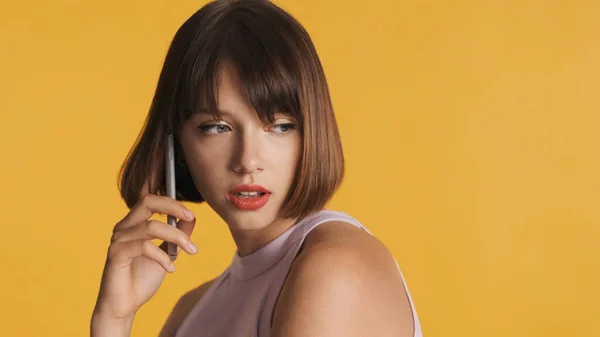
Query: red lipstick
249,197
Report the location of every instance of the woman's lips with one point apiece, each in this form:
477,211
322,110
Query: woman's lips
250,188
249,203
249,197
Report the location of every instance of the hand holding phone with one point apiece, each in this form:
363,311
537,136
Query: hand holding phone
134,261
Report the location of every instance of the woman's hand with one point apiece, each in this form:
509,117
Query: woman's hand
135,267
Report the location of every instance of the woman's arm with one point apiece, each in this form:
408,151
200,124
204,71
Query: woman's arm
182,309
343,283
102,326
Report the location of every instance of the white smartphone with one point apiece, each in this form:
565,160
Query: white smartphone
170,188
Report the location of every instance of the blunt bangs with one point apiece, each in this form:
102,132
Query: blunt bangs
263,58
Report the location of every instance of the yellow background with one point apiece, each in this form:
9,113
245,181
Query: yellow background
471,131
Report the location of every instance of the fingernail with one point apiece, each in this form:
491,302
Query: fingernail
193,247
171,267
188,214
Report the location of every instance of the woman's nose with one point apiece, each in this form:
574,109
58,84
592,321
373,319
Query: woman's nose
247,153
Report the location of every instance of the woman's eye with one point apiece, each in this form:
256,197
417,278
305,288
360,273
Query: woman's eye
214,128
283,128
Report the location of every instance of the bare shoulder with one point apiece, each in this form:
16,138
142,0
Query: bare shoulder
344,282
183,307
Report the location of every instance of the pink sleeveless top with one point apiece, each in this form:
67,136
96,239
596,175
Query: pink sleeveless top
240,301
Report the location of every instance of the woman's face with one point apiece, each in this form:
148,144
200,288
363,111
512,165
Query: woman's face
240,149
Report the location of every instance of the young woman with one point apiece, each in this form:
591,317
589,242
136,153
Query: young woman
243,91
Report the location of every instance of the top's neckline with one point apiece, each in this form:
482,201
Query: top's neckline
252,265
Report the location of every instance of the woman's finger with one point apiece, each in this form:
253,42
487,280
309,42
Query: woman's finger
187,226
155,229
120,252
148,206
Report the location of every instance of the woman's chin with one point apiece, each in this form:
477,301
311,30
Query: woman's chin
240,218
247,221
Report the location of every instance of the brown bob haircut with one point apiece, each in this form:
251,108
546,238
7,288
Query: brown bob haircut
279,71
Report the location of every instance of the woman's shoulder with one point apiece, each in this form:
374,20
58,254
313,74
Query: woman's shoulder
343,272
340,233
339,246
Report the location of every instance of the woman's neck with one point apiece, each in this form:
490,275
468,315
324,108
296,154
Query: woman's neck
249,241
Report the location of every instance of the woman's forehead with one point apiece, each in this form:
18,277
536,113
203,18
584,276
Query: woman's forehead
231,96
